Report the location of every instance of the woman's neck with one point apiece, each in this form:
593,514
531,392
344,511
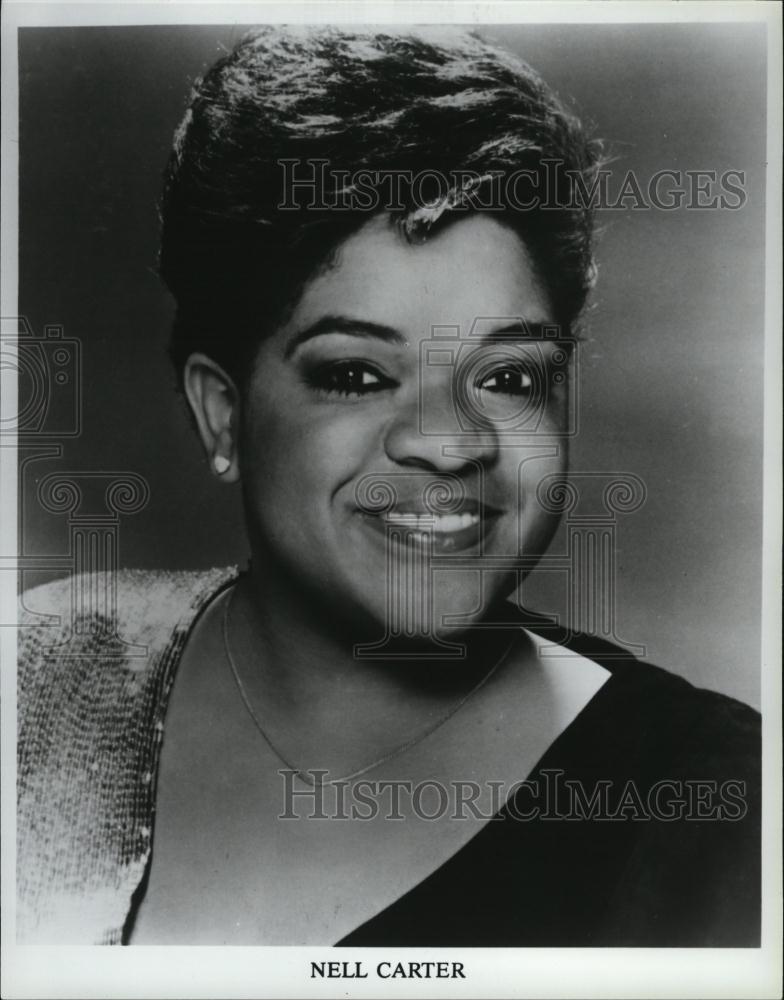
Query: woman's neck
322,705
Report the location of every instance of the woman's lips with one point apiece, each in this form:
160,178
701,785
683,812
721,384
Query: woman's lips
451,532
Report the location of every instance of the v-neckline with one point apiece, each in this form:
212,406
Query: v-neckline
588,719
533,622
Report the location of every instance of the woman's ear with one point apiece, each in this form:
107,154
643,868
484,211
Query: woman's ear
214,401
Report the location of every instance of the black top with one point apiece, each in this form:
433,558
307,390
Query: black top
669,856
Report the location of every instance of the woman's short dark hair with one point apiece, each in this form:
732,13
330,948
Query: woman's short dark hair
425,124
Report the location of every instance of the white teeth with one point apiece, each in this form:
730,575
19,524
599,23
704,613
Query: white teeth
436,522
450,522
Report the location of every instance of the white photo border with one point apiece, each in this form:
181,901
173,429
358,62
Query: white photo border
31,971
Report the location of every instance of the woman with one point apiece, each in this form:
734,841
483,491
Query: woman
379,260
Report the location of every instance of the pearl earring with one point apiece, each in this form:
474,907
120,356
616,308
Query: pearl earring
221,464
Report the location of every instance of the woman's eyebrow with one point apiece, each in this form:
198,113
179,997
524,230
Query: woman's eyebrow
345,324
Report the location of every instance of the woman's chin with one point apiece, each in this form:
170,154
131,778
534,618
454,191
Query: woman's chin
429,618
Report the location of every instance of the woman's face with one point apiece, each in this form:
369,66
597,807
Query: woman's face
396,427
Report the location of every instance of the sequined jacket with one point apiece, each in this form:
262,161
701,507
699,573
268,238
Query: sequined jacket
97,657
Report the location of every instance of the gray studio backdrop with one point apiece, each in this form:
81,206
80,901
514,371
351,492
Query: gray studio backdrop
671,370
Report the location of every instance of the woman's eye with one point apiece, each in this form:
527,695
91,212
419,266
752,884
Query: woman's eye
510,381
348,378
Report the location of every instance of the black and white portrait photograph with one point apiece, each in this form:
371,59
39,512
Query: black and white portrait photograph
391,499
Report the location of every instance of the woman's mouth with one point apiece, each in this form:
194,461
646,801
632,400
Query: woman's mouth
448,532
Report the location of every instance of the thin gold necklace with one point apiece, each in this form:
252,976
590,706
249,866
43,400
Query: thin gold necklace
307,776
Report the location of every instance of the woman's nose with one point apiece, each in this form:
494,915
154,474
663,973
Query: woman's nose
433,432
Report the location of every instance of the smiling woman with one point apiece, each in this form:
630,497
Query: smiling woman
333,399
385,372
